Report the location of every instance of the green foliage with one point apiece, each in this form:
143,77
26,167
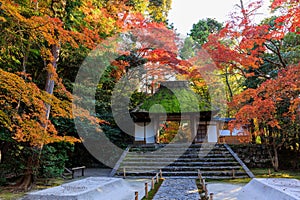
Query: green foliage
70,61
159,9
136,99
6,194
175,101
188,49
264,173
65,126
13,156
203,29
14,159
53,159
138,5
291,47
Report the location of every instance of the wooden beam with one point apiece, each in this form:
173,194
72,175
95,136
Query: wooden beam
117,165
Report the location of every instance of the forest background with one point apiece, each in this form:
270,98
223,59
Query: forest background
43,44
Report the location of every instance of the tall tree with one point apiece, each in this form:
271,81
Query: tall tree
258,51
159,9
188,48
40,29
203,28
22,118
274,108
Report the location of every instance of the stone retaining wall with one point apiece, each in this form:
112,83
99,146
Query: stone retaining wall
253,155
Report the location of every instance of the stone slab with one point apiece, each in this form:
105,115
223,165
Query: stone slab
92,188
271,189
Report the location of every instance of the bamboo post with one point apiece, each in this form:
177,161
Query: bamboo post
152,183
136,194
211,196
233,173
146,190
199,175
124,172
160,173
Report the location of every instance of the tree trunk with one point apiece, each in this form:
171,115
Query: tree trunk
228,85
274,158
27,180
30,173
253,137
276,161
55,49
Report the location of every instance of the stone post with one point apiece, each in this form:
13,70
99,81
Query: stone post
152,183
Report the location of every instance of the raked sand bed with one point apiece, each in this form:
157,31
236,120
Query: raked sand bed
106,188
92,188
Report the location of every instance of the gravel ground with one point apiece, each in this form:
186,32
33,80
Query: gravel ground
177,189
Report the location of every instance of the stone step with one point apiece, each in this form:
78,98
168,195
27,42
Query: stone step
143,149
174,149
178,145
204,148
181,168
176,156
191,149
179,152
187,177
214,161
184,173
147,160
180,164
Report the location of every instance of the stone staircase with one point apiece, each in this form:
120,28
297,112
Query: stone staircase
215,161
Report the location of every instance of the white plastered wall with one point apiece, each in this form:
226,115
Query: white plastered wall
141,132
212,132
150,133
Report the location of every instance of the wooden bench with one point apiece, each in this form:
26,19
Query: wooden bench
75,169
78,168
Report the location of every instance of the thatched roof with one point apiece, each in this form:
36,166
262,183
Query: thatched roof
174,97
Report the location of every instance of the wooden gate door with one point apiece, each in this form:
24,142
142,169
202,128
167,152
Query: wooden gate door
201,133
